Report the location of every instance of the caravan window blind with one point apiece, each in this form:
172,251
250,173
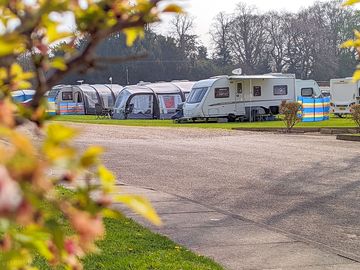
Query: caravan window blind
280,90
67,96
257,91
222,92
307,92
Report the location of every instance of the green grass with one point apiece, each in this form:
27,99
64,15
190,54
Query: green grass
129,246
334,122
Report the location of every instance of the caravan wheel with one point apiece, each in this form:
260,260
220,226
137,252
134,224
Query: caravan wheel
231,118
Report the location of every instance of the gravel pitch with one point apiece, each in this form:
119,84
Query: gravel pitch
305,185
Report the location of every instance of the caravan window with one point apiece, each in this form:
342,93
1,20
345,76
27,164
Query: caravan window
307,92
280,90
257,91
222,92
91,98
169,103
78,97
122,99
197,94
239,88
66,96
142,104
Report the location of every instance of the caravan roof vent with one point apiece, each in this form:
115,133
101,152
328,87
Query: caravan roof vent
220,76
237,71
142,83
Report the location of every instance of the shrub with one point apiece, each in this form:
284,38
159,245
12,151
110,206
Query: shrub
355,112
32,207
290,114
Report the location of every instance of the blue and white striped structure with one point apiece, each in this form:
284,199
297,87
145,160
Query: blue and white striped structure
51,106
23,96
314,109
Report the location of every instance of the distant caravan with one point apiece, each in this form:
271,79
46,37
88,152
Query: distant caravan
243,97
344,93
81,99
151,100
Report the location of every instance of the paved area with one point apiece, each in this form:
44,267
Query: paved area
230,240
303,186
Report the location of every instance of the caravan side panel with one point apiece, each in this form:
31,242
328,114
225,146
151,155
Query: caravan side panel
267,93
221,100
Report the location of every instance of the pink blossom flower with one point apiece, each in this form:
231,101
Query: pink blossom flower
10,193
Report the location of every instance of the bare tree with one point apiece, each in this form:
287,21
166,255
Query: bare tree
182,27
248,39
279,40
220,33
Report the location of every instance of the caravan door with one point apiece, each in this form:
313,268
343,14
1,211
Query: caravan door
241,90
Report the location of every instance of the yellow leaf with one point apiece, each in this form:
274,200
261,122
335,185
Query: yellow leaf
11,44
132,34
107,178
17,71
91,156
141,206
348,44
58,63
57,133
173,8
19,77
356,76
53,34
108,213
351,2
357,34
20,141
58,153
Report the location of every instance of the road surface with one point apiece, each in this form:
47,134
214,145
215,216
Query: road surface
305,185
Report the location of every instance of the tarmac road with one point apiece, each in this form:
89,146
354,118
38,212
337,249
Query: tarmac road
304,185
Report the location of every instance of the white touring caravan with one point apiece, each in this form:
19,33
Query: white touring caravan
245,96
344,93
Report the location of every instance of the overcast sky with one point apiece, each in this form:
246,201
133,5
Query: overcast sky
205,10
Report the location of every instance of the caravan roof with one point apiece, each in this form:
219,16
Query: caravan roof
164,88
161,87
138,89
185,86
115,88
265,76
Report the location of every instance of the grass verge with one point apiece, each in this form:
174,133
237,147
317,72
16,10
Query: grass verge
334,122
129,246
